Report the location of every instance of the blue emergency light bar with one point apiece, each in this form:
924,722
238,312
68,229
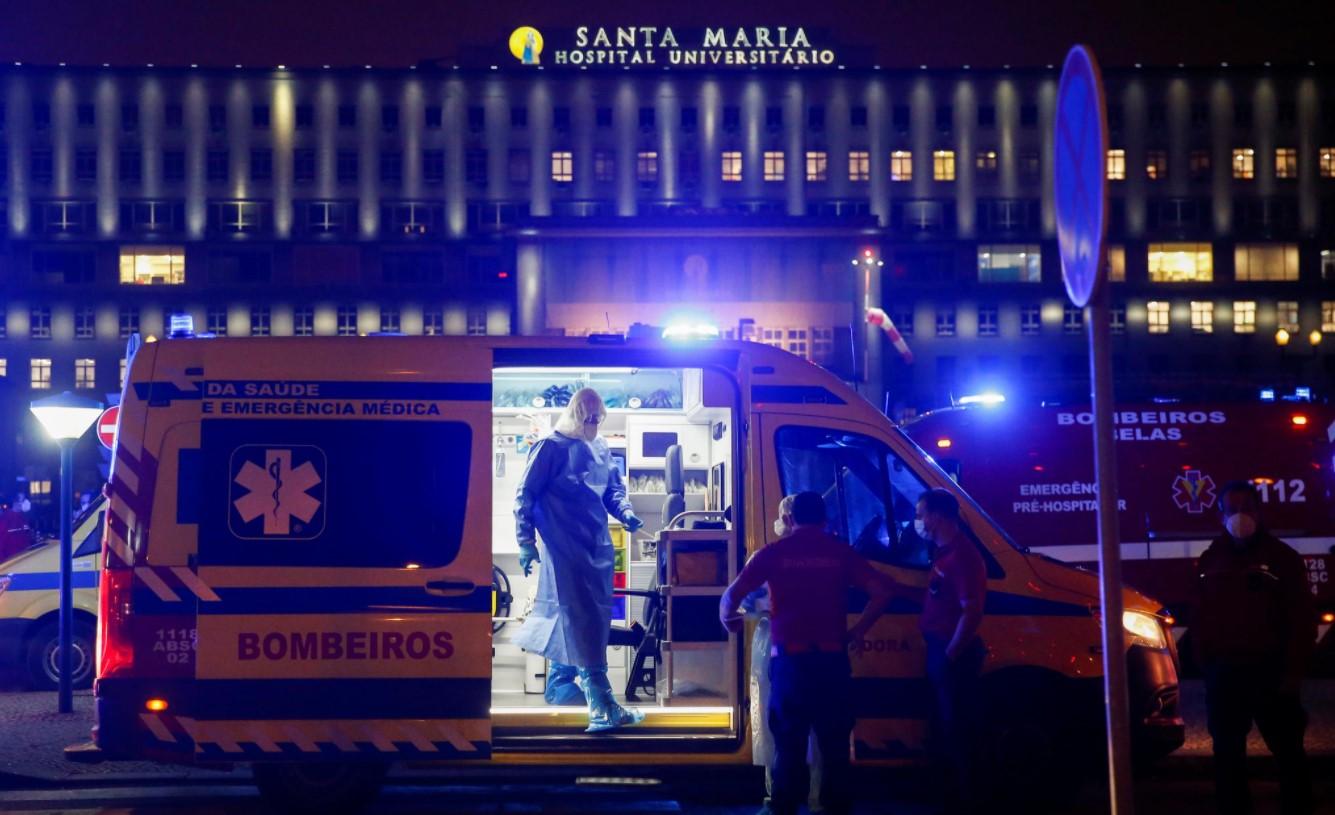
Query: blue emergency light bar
180,325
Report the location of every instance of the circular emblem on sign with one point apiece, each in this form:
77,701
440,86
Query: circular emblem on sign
1081,141
526,44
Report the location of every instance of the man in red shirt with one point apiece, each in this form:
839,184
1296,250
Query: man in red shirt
809,573
952,611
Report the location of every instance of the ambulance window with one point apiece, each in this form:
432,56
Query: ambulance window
863,483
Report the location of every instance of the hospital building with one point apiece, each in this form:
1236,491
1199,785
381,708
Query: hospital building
567,183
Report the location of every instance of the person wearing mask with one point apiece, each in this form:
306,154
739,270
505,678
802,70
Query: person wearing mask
569,488
1253,632
808,573
952,612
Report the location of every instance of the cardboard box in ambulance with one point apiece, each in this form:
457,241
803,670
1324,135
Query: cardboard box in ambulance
1031,469
314,523
30,605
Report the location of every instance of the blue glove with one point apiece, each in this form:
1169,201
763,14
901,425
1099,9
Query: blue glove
631,522
528,555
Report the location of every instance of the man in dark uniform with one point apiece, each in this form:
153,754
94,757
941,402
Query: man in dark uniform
809,573
1253,632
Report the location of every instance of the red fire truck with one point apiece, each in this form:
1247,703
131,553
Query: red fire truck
1032,470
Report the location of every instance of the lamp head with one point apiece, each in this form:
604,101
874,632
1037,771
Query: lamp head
66,416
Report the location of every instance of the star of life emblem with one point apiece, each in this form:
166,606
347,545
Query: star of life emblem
278,490
1193,492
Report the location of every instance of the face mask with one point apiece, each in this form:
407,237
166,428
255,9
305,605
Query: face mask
1240,525
780,528
921,529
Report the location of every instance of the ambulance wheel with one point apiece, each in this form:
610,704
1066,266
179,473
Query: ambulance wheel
319,787
43,657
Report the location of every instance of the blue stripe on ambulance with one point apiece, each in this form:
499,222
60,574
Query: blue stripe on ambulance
50,581
329,698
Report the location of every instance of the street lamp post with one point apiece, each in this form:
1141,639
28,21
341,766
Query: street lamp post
66,417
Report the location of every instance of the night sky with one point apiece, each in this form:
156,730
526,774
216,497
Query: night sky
897,33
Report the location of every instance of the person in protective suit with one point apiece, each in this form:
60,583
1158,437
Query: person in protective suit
570,487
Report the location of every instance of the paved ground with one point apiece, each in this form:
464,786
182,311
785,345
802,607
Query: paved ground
38,778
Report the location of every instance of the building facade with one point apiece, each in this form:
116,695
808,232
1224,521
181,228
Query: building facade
776,202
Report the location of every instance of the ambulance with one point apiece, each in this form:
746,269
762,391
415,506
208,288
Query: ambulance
302,533
1030,468
30,606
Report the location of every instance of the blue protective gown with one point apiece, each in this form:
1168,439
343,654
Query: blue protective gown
568,490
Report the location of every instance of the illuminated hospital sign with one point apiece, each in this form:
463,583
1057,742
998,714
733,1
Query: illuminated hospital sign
779,46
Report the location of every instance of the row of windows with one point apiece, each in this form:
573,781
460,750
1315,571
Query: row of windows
347,116
1158,318
1243,163
219,321
260,167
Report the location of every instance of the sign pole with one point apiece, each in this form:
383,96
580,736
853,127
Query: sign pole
1110,556
1081,195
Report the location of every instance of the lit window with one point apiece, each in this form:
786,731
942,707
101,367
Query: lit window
39,323
1202,317
987,321
1327,162
1073,319
646,166
1286,162
943,165
901,165
773,165
1181,263
604,166
41,375
303,321
986,162
1327,272
1244,316
1031,320
1156,165
260,324
902,317
1117,165
4,367
563,166
347,321
124,366
1286,314
152,265
85,374
822,343
477,321
1157,314
732,165
433,322
1244,163
945,322
1010,264
215,321
859,165
1327,317
40,487
1117,264
1266,262
817,165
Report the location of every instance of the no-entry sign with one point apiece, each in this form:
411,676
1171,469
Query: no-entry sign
106,426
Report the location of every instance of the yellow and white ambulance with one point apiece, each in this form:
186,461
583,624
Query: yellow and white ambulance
30,605
301,535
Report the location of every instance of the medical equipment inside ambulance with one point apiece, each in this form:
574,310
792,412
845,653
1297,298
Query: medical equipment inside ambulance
668,655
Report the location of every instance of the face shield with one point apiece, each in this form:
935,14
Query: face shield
583,415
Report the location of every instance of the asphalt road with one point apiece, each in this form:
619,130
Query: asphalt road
1154,796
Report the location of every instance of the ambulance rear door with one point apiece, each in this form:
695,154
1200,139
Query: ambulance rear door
344,536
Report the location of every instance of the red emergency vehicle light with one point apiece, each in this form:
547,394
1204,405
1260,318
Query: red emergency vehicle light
1299,420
